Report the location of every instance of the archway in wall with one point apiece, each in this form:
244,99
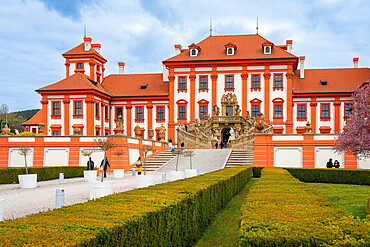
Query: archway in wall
225,134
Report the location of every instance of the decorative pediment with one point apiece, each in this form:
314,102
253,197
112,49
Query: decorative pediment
194,46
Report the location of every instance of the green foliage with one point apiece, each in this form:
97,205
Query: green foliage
334,176
368,206
282,211
25,133
257,171
170,214
10,175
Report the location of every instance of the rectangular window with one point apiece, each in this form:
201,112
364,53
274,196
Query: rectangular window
97,132
348,110
106,112
255,81
301,111
182,83
56,133
56,109
278,111
203,110
255,110
182,112
325,110
78,108
229,82
96,109
139,113
118,112
203,82
278,81
80,66
160,112
229,110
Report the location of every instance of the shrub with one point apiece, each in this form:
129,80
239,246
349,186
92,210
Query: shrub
257,171
170,214
9,175
282,211
25,133
334,176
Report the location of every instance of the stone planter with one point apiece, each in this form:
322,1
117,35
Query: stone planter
144,181
90,175
118,173
177,175
191,173
100,189
27,181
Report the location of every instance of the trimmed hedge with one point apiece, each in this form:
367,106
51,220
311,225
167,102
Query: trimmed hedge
281,211
170,214
10,175
257,171
334,176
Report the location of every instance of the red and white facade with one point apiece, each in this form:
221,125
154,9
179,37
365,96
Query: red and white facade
265,77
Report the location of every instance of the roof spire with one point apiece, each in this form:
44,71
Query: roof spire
210,27
84,30
257,26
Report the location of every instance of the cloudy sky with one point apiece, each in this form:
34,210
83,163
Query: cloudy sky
34,34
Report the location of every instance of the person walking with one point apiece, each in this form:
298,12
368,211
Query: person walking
182,146
329,164
216,145
173,149
336,164
170,144
139,166
221,144
104,163
90,164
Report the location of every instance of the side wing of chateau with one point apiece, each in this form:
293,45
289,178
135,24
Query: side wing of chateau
257,74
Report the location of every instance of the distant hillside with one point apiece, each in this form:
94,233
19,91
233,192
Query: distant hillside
15,119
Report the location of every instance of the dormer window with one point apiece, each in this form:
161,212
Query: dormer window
230,49
194,50
323,82
267,48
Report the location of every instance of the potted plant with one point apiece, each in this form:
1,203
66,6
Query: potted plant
190,172
145,180
27,180
102,188
89,175
176,175
119,173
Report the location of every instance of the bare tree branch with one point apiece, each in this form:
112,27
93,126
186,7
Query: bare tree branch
24,150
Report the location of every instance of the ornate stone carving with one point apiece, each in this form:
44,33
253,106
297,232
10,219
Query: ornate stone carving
192,77
244,76
308,127
267,75
76,130
5,129
237,110
214,76
119,125
289,75
260,122
162,133
216,110
247,115
171,77
137,130
41,128
150,133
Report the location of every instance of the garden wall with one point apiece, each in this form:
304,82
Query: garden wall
301,151
66,151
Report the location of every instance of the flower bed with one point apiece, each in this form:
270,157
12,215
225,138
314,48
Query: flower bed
170,214
282,211
10,175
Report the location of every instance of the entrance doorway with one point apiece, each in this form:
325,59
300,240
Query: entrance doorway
226,135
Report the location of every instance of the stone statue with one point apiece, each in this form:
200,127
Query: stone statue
119,125
232,134
216,110
260,122
237,110
247,115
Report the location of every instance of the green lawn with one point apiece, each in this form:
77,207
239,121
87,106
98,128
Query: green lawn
352,199
224,230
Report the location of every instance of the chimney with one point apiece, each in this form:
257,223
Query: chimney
355,62
96,47
165,73
289,45
87,44
178,49
302,67
121,68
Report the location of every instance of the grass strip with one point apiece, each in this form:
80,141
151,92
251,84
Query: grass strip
224,230
352,199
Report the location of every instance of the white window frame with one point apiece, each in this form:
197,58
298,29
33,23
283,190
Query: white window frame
264,49
232,51
191,52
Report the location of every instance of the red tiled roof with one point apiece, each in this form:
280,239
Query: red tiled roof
249,47
129,85
80,50
78,81
35,120
338,80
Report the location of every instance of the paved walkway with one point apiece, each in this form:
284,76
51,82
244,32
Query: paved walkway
21,202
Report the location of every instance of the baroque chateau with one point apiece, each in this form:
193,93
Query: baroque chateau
259,75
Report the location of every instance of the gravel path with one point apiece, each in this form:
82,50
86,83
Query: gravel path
21,202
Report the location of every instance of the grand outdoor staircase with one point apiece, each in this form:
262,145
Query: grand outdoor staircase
158,160
240,157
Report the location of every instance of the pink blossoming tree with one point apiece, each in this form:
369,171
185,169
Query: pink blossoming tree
355,138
